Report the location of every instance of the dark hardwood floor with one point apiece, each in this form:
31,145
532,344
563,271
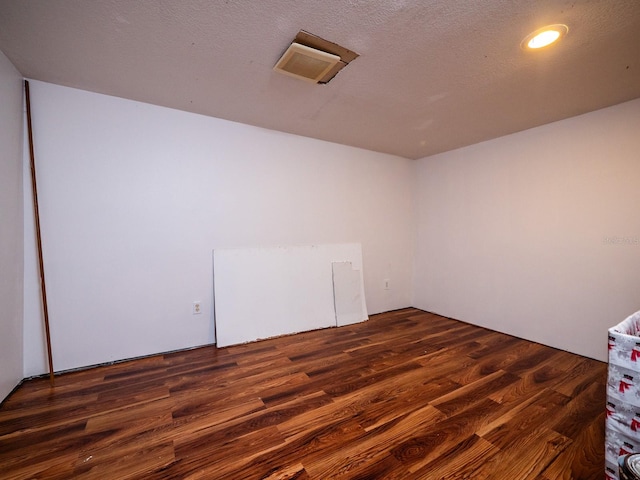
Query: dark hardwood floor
406,395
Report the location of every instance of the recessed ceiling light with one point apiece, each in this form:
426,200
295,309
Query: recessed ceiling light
544,36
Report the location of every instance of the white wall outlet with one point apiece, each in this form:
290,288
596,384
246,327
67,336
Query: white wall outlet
387,284
197,308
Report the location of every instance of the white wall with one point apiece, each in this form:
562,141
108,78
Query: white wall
511,233
11,236
134,197
536,234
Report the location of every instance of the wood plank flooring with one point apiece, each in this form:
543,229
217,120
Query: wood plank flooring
406,395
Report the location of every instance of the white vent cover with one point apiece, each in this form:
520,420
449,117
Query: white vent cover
306,63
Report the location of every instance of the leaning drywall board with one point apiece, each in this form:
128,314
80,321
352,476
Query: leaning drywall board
348,297
265,292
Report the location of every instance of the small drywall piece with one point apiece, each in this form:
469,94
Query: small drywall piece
266,292
348,294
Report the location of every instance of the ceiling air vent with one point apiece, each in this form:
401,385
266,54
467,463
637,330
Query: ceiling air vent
313,59
306,63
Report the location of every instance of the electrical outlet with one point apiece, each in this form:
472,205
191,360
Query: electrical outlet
197,308
387,284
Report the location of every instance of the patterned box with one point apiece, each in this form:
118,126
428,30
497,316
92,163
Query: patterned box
623,393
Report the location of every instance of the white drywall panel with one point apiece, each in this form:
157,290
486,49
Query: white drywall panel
348,293
270,291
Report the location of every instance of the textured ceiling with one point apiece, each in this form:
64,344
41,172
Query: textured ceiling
432,75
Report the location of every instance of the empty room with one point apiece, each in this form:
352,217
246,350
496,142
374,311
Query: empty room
312,240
